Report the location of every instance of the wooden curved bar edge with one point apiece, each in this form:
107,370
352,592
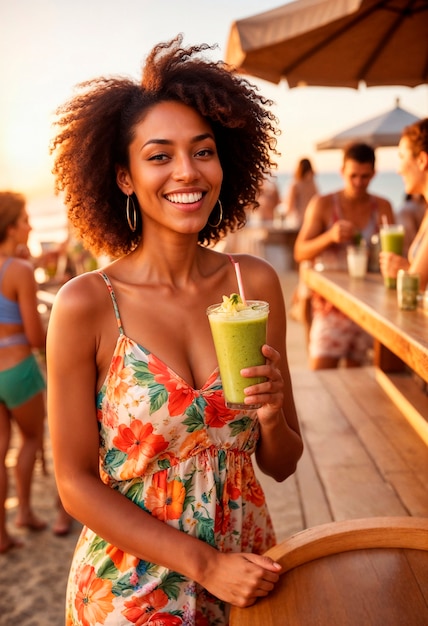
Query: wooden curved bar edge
350,573
357,534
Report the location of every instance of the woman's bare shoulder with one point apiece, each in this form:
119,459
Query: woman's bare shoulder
19,277
20,267
250,261
81,293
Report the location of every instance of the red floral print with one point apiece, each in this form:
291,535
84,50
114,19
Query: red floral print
94,599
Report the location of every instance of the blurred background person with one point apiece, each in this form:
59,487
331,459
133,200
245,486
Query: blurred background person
250,239
268,199
300,191
21,380
331,223
413,155
22,383
64,260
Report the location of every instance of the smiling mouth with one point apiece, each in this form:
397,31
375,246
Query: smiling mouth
184,198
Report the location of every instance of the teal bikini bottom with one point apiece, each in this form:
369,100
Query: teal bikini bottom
21,382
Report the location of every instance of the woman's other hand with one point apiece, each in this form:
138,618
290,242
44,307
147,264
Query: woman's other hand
390,263
270,393
240,578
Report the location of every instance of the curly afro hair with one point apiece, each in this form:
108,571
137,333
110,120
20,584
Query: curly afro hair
96,127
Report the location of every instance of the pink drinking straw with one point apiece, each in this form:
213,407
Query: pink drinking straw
239,279
384,220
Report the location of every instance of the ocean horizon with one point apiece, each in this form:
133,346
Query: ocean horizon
388,184
49,219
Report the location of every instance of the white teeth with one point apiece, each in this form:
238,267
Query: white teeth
184,198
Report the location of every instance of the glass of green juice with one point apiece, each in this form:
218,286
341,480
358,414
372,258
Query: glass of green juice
392,240
238,337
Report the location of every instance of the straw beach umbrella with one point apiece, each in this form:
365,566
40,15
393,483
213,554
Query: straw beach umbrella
380,131
335,43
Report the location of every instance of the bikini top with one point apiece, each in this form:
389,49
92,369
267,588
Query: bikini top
9,309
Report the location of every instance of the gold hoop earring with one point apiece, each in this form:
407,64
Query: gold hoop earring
131,223
220,219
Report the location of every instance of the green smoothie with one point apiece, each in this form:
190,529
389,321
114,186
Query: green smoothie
392,240
238,338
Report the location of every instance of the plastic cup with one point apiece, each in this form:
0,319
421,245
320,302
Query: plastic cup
238,339
392,240
357,260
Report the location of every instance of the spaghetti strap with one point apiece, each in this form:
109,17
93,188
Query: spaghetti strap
113,299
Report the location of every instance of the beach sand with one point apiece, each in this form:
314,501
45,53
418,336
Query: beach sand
33,578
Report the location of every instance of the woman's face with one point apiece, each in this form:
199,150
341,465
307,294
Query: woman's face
21,229
174,168
412,174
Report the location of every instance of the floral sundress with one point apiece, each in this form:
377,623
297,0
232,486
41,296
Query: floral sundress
183,457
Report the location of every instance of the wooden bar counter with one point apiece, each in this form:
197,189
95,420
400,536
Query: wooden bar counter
373,307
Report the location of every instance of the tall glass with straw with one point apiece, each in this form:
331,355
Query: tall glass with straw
238,327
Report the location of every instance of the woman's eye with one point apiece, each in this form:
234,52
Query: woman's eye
205,152
158,157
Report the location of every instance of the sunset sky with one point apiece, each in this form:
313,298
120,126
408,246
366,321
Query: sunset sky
48,46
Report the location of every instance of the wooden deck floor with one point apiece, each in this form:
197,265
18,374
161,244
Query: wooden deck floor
361,458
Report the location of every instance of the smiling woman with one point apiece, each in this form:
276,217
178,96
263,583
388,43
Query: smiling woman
175,521
413,153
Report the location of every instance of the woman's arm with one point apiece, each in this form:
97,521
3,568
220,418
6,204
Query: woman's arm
390,263
315,236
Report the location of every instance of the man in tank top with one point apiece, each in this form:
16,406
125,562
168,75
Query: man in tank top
332,222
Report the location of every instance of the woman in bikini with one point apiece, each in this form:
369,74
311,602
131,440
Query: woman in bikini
21,381
22,384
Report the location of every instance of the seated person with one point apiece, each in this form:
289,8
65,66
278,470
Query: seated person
332,222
